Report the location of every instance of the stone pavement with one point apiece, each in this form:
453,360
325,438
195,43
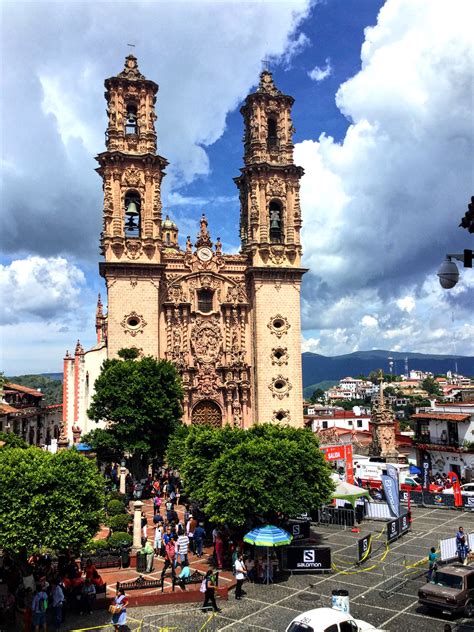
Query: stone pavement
272,607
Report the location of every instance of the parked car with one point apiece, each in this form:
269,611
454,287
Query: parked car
450,590
328,620
467,489
414,484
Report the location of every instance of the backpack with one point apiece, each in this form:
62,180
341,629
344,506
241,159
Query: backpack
43,603
203,585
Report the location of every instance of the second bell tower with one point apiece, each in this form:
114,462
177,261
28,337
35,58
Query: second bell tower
270,224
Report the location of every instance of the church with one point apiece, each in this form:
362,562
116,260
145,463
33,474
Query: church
229,322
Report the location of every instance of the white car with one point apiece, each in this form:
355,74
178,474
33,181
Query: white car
467,489
328,620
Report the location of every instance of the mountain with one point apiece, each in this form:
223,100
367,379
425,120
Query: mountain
317,368
48,383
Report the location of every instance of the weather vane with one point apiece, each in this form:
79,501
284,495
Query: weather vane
131,45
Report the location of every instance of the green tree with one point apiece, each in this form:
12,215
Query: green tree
176,449
317,395
141,401
104,444
52,389
263,471
12,440
52,501
431,386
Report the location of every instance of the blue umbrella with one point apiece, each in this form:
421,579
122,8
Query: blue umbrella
268,536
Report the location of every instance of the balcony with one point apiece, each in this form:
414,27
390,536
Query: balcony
426,442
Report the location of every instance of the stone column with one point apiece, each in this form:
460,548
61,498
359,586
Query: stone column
137,525
123,473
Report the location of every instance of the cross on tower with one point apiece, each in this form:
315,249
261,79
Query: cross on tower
266,64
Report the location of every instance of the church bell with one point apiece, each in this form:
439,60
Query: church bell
131,216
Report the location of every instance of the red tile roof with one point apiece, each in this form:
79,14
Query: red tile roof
9,386
442,416
6,408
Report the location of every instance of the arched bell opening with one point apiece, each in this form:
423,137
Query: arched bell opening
275,211
132,204
272,135
131,125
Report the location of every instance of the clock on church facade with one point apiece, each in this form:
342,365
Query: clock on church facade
229,322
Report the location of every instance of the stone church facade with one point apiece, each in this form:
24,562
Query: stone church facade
229,322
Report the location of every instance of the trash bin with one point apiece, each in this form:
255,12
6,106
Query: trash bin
141,562
125,555
340,600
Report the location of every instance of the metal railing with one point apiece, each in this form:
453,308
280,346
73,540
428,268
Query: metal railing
339,517
395,575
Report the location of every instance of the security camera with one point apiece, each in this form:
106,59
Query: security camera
448,274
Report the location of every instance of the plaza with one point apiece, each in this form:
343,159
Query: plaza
273,607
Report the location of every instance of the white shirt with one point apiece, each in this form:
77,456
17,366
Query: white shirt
239,569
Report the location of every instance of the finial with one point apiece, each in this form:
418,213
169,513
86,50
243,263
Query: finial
203,238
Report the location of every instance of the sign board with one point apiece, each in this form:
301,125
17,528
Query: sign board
426,475
309,559
299,529
364,548
397,527
341,453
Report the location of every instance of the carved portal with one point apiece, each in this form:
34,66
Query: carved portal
206,339
207,413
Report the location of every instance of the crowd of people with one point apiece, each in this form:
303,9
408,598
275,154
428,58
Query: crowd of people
41,589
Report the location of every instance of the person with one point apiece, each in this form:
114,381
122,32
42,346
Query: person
461,546
156,505
240,573
120,618
144,524
39,607
90,569
184,574
158,540
432,565
250,565
149,553
199,535
219,545
169,558
182,549
88,593
57,601
209,585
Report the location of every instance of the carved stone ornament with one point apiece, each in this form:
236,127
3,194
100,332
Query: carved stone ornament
176,294
277,255
280,387
207,380
133,249
276,187
279,356
133,323
206,340
278,325
281,416
130,70
266,84
236,294
131,177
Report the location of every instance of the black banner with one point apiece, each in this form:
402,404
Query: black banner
426,475
309,559
298,529
364,548
397,527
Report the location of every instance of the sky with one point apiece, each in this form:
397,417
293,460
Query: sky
384,130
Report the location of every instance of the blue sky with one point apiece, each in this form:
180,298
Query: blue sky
384,130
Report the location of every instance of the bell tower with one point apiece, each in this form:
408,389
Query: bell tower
270,224
131,240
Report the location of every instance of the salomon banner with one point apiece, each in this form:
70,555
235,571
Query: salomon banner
393,473
391,494
306,558
364,548
426,475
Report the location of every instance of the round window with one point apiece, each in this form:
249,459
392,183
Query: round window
278,323
280,416
133,321
280,385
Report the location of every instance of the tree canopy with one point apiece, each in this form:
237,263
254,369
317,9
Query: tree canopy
431,386
52,501
12,440
265,471
140,398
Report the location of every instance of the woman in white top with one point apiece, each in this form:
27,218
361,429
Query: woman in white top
240,573
158,543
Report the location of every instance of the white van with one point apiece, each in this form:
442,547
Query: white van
328,620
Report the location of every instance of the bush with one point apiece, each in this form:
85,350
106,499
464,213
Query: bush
115,508
119,539
119,522
96,546
117,496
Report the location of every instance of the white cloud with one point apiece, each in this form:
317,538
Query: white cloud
369,321
381,208
40,288
406,304
319,73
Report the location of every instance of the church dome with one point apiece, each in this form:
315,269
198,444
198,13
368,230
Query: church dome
168,224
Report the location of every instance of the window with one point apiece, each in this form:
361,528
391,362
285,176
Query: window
276,222
325,424
331,628
348,626
272,138
205,301
359,423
